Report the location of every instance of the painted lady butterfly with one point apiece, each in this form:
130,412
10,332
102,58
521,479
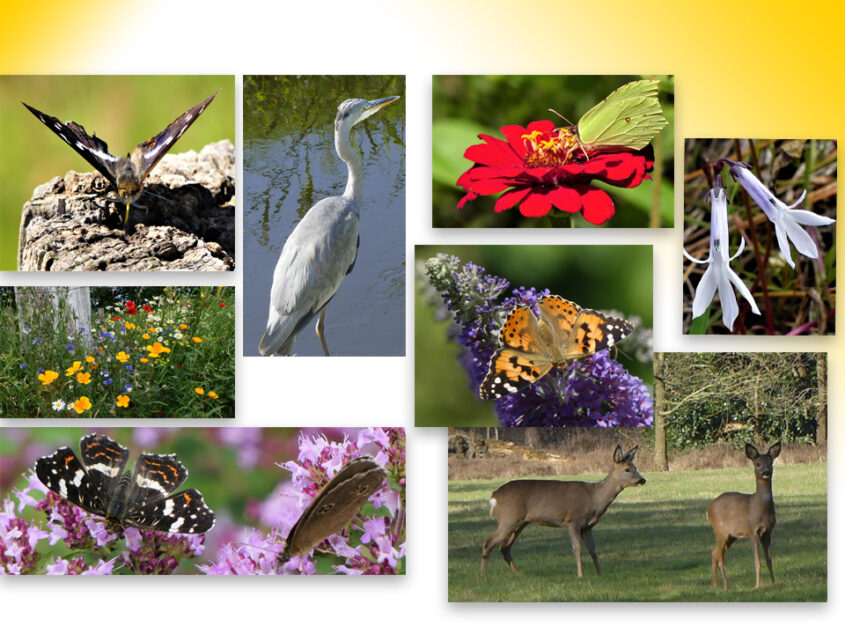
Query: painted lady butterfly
531,347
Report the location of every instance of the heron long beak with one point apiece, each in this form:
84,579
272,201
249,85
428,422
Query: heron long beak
376,105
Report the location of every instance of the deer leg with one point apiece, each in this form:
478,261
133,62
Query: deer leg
718,557
502,531
575,538
506,547
766,540
755,546
587,536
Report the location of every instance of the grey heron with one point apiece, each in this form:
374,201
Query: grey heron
321,250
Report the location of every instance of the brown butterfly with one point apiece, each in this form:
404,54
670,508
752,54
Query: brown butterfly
335,506
126,174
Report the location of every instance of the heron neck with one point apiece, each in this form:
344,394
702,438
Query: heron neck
347,153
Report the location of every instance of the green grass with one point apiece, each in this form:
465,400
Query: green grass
653,544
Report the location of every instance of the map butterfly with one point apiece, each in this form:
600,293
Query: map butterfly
531,347
98,484
126,175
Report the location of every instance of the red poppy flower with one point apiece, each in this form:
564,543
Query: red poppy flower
222,304
130,308
116,317
543,167
148,308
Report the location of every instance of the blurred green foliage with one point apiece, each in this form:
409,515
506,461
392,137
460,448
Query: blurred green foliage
122,110
465,106
599,277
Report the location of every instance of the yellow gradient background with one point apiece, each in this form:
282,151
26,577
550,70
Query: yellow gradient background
750,69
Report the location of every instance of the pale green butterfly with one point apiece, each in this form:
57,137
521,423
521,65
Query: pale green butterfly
628,119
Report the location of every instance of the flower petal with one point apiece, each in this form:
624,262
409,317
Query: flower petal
510,198
730,309
705,292
535,205
799,236
743,290
597,206
566,199
783,243
804,217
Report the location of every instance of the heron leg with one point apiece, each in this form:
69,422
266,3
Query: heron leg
320,330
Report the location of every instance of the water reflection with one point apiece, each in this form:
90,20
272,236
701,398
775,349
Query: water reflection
289,165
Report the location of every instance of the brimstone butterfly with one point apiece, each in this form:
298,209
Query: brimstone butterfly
628,119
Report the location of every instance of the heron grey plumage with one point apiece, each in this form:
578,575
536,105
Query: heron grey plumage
321,250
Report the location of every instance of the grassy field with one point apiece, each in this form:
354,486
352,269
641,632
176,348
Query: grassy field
653,544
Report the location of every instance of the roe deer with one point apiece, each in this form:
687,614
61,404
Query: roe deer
735,515
577,505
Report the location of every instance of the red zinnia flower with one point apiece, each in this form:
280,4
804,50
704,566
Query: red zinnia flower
130,308
543,166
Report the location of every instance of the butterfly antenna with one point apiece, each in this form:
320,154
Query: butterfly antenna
561,116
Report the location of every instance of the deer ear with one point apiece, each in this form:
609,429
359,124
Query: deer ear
631,452
774,450
617,455
751,451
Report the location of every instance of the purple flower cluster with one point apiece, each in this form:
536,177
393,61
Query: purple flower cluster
145,552
596,391
374,544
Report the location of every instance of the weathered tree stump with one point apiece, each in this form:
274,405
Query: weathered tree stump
70,224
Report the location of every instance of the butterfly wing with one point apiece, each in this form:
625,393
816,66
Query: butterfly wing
335,506
156,477
151,151
182,512
524,358
594,331
90,147
559,316
105,460
628,118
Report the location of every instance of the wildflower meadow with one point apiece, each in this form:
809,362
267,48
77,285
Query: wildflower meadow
257,482
135,352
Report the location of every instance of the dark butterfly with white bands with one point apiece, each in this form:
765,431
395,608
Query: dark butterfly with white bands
145,498
126,174
335,506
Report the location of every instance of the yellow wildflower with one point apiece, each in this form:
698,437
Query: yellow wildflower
123,401
212,394
196,339
122,356
199,391
48,377
80,405
84,377
77,365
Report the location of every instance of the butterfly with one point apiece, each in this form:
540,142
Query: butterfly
627,119
531,347
126,175
98,484
335,506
